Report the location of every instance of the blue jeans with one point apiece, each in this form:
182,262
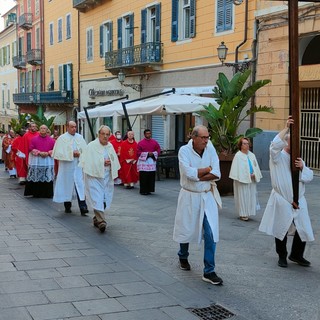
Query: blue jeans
209,248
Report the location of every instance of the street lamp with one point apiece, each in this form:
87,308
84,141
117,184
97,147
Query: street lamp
237,66
122,77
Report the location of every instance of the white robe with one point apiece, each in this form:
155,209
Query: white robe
195,197
245,189
279,213
70,175
99,179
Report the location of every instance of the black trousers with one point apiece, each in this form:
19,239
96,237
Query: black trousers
147,181
82,203
297,248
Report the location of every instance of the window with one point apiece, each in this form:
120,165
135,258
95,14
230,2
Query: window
125,31
29,6
183,19
37,10
105,38
51,33
8,103
224,15
68,26
66,79
59,30
89,44
38,38
150,24
51,80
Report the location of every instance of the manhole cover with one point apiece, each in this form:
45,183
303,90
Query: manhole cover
214,312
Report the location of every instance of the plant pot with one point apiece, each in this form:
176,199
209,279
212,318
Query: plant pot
225,184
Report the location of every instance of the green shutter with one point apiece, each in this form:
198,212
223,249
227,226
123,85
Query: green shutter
101,41
174,21
158,22
192,18
143,26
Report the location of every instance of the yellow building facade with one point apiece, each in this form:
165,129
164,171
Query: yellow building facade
273,63
159,45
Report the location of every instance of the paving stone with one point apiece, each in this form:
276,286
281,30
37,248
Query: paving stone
7,266
92,252
88,260
29,285
101,306
21,300
6,258
59,254
24,256
15,314
71,282
178,313
27,230
85,270
43,274
112,278
85,318
110,291
13,276
154,314
42,242
74,294
133,288
146,301
40,264
74,246
53,311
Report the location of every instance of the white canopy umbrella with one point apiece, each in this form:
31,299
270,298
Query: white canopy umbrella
163,104
107,110
169,104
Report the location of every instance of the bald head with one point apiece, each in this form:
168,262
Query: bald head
72,128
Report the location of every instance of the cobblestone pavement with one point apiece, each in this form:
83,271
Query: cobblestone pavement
58,266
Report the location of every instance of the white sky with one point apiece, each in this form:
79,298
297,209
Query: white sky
5,6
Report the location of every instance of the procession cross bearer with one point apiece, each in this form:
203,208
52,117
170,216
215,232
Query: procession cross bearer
68,148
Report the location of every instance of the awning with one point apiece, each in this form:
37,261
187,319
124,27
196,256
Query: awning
193,90
165,104
60,116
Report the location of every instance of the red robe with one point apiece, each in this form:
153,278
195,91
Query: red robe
129,172
20,162
25,144
117,148
8,157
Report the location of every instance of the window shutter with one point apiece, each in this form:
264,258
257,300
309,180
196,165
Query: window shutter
228,15
101,41
1,58
28,41
110,47
143,25
220,15
158,22
119,33
174,21
60,78
131,42
192,18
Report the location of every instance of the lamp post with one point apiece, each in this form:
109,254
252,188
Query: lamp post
237,66
122,77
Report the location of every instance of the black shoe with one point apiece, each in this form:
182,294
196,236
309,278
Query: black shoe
184,264
212,278
282,262
84,211
301,261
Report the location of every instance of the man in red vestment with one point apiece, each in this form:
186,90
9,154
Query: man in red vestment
19,157
117,142
25,144
8,153
128,161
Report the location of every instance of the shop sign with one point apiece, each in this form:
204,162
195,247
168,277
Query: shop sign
100,93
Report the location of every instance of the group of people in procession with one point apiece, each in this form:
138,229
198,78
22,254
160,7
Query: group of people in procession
90,172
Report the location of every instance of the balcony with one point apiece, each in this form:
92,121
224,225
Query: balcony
19,62
144,56
34,57
52,97
25,21
84,5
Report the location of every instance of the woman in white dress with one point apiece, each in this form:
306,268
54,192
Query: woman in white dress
245,173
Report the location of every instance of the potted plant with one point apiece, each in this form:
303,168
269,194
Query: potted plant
224,123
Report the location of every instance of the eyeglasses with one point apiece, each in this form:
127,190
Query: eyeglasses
245,142
204,137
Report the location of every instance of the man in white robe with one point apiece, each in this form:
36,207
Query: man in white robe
67,150
100,165
279,215
197,210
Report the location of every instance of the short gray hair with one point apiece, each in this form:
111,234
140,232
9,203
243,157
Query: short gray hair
195,130
104,127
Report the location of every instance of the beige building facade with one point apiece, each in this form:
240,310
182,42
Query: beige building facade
8,74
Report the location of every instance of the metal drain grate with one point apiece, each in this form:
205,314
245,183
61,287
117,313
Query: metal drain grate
214,312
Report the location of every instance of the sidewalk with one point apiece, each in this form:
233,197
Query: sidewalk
58,266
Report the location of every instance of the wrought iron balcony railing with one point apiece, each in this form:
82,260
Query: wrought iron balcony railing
83,5
34,56
19,62
52,97
143,54
25,21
